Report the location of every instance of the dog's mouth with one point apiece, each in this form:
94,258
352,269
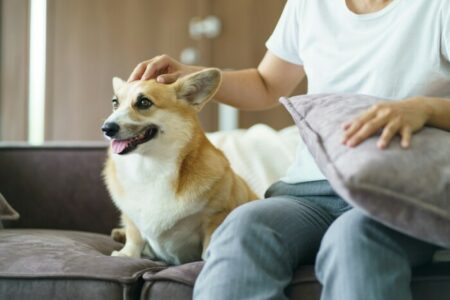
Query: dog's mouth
127,145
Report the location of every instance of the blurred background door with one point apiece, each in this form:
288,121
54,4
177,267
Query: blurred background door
90,41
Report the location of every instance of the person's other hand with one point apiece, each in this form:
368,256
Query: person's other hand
164,68
401,117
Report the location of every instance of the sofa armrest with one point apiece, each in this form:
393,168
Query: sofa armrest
57,186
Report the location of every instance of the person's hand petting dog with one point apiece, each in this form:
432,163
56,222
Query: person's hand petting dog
163,68
400,117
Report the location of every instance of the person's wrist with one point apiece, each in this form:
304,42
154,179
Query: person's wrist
425,106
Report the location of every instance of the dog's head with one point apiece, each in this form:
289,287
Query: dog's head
147,114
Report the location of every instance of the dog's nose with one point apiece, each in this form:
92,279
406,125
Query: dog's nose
110,128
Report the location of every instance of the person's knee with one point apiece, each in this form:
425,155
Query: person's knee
257,224
344,243
246,247
243,220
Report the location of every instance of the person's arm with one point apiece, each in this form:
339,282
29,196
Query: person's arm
260,88
249,89
439,112
401,117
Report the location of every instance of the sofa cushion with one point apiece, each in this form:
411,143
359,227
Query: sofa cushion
429,282
172,283
54,264
177,283
407,189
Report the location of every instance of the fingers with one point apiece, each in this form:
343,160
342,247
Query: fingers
389,132
168,78
152,68
394,118
406,133
137,72
347,125
352,127
367,130
156,67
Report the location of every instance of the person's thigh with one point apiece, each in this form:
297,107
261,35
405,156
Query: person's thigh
360,258
254,253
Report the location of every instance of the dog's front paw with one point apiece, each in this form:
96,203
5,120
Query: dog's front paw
124,253
118,253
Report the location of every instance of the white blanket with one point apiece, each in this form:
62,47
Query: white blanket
260,154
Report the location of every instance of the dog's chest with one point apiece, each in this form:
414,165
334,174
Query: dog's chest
169,223
154,208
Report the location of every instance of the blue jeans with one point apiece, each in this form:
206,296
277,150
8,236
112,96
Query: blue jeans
254,253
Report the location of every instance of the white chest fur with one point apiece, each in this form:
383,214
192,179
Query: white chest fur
169,223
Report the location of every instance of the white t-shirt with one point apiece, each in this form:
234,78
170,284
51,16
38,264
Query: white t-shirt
400,51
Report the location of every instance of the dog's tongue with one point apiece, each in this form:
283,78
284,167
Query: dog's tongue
119,146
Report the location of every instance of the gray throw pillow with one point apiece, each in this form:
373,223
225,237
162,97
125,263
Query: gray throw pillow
408,190
6,211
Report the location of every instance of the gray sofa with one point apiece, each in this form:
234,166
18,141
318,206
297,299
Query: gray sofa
60,246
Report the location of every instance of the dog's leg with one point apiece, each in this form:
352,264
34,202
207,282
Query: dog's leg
209,229
134,241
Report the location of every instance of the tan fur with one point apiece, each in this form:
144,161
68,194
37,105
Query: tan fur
201,178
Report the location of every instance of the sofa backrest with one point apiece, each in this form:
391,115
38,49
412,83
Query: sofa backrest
57,186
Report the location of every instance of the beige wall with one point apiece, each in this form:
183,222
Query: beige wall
13,69
90,41
98,40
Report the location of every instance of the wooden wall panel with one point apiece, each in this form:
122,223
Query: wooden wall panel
13,69
247,24
89,42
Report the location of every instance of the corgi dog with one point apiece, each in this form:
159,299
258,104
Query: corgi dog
172,186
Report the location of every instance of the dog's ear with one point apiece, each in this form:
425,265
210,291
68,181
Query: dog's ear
199,87
117,84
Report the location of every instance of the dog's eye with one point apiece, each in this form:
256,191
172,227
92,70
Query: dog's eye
143,103
115,102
